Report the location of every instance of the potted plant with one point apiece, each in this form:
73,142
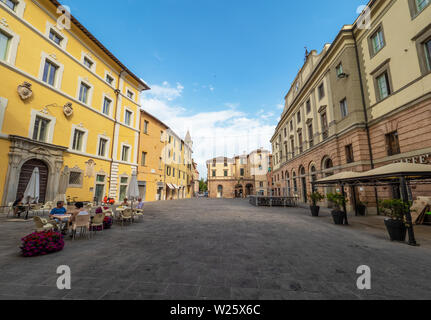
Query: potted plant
395,210
315,198
338,200
361,207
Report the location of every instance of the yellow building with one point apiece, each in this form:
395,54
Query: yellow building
151,172
65,101
177,158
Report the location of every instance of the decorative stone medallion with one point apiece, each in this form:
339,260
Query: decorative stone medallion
68,110
24,91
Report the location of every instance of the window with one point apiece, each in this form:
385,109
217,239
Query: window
106,106
214,173
83,93
339,69
392,143
123,187
161,136
55,37
310,135
298,116
144,159
383,86
241,172
292,147
377,41
128,118
40,129
291,125
125,154
75,179
130,94
349,154
160,163
421,4
4,46
427,48
49,73
146,123
300,142
308,106
343,107
321,91
109,79
10,3
173,172
78,137
225,173
88,63
324,121
102,147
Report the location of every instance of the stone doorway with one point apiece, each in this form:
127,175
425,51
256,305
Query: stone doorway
26,173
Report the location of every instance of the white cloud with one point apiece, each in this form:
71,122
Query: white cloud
227,131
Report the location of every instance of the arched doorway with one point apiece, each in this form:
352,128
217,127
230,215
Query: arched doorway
327,165
289,191
313,175
303,184
25,175
238,191
220,191
295,184
249,189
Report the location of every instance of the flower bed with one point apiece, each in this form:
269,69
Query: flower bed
42,243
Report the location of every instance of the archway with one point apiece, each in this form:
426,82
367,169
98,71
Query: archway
249,189
327,165
25,175
295,184
238,191
220,191
289,191
303,184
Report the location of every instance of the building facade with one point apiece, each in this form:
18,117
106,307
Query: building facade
195,179
65,102
361,103
240,176
177,159
151,171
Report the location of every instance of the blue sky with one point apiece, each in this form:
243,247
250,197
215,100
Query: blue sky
219,68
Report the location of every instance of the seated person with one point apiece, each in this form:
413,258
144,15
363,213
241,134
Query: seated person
60,210
18,206
125,202
140,205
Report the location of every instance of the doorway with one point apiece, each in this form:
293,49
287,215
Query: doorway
25,175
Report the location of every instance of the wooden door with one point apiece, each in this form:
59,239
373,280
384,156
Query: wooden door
25,175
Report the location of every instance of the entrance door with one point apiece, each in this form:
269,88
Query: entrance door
304,190
142,192
25,175
98,194
220,192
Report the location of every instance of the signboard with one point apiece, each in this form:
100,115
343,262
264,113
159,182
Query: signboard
422,159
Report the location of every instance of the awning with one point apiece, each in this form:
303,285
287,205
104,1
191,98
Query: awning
170,186
339,177
175,186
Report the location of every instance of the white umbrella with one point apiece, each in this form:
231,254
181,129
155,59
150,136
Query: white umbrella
31,193
63,185
133,189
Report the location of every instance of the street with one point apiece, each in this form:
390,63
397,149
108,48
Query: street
218,249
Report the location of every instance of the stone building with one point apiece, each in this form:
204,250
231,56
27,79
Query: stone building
363,102
240,176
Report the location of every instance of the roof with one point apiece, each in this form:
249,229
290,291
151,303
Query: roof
154,117
102,47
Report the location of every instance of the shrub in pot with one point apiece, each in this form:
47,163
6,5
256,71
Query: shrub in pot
315,198
42,243
338,200
395,210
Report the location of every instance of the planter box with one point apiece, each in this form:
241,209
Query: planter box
338,217
315,211
397,230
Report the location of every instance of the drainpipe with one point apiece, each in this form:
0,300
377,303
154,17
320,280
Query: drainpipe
364,106
117,93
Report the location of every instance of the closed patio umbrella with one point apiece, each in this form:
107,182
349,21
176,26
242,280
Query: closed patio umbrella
63,185
133,189
31,193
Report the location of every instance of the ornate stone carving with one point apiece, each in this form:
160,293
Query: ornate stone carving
24,90
68,110
41,151
90,168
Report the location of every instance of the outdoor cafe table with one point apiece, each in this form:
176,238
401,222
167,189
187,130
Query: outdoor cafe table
62,218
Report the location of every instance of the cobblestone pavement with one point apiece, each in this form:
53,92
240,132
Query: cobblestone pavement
218,249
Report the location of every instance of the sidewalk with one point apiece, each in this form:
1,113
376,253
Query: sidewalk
375,224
